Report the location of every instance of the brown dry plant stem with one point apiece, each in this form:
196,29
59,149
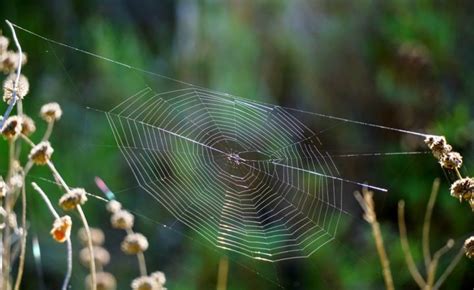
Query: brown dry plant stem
21,263
67,277
367,203
415,273
223,272
427,223
9,203
429,282
84,222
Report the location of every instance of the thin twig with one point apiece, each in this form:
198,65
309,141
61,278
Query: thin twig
367,204
430,280
46,200
427,224
406,247
48,132
449,269
18,73
90,246
21,263
67,278
142,264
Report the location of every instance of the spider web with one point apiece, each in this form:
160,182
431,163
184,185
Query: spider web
248,177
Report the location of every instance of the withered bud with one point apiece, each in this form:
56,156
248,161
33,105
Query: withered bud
438,145
16,181
105,281
28,126
12,128
9,87
159,277
122,220
3,188
51,112
97,236
145,283
75,197
101,256
3,44
62,229
113,206
469,247
463,188
134,243
11,61
451,160
41,153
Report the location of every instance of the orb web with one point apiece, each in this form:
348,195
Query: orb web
247,177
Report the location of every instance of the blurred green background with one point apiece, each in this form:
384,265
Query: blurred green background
399,63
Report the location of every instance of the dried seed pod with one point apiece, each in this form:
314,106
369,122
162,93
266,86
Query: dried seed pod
51,112
75,197
113,206
28,126
97,236
469,247
451,160
145,283
16,181
159,277
41,153
122,220
463,188
101,256
3,44
11,61
22,89
12,128
105,281
62,229
134,243
3,188
438,145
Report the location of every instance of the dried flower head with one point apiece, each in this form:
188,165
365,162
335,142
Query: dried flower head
469,247
12,60
451,160
105,281
9,87
145,283
61,229
97,236
113,206
101,256
12,221
122,219
12,128
159,277
3,44
28,126
41,153
16,181
134,243
3,188
75,197
51,112
438,145
463,188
